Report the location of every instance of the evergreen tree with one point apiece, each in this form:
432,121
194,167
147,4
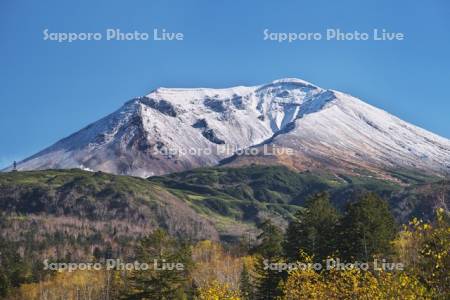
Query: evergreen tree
5,284
367,229
108,253
156,283
97,253
246,286
313,230
14,270
269,240
268,251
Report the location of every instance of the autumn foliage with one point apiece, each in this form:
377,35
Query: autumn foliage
217,272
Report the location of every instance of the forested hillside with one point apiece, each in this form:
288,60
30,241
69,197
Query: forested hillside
73,212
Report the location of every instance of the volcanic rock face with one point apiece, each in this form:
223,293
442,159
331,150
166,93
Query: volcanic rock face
172,130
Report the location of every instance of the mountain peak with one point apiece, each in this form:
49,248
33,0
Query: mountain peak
293,81
217,92
175,129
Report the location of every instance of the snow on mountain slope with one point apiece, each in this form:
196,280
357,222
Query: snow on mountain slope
352,133
173,129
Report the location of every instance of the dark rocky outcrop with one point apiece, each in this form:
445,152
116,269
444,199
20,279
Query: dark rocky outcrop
162,106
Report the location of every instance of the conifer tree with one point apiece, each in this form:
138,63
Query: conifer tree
156,283
268,251
367,229
246,286
313,230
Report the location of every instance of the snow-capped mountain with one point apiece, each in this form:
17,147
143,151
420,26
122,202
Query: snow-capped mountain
174,129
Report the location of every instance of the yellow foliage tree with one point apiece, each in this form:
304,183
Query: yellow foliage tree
351,283
79,285
425,249
217,291
214,264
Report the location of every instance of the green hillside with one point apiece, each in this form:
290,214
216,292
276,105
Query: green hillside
72,212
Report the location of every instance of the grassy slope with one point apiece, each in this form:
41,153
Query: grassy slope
250,193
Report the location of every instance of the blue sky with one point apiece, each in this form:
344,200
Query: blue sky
49,90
